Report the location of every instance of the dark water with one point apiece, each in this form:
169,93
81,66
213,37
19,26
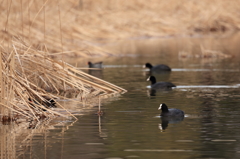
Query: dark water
131,127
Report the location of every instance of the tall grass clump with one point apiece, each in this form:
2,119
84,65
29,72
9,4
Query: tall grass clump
31,81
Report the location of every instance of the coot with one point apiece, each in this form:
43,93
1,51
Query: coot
157,68
47,103
95,65
159,85
172,112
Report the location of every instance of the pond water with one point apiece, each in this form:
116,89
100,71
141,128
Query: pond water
131,127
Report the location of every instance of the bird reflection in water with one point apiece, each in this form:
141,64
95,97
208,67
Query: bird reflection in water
97,73
154,92
169,120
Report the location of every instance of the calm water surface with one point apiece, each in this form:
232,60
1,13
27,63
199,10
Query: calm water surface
131,127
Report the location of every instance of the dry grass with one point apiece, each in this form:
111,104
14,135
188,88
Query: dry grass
29,77
74,27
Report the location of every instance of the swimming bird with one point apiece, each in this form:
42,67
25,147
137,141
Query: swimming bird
157,68
172,112
159,85
95,65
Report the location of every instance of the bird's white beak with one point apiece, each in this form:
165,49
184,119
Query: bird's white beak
143,66
148,79
160,107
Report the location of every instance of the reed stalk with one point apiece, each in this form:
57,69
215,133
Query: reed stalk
28,73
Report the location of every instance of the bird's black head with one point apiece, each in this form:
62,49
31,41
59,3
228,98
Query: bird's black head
148,65
152,79
163,107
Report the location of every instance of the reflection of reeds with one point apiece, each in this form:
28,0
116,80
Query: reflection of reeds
204,53
18,140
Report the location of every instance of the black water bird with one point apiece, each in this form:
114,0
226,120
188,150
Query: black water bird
157,68
47,102
159,85
172,112
95,65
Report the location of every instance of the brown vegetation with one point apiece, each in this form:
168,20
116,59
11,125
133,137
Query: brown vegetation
74,27
29,77
34,31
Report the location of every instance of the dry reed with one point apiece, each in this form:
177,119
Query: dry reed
74,27
29,77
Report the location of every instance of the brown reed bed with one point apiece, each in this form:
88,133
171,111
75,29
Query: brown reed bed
76,28
31,82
